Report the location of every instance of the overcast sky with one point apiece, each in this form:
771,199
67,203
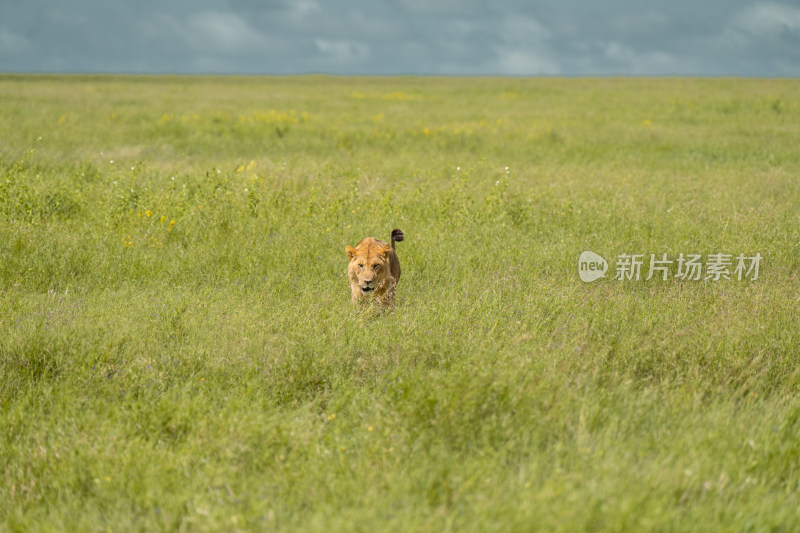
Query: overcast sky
450,37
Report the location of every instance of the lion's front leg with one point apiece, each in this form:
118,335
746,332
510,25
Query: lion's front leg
387,297
356,292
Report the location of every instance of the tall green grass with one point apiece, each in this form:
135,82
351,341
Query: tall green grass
178,349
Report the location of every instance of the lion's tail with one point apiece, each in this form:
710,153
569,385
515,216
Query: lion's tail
397,236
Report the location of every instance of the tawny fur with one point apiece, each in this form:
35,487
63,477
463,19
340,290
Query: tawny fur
374,269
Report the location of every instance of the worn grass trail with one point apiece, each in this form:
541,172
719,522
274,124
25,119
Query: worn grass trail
178,349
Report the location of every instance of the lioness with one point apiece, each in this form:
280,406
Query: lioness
374,269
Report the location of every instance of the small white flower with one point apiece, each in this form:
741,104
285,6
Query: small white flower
458,168
112,161
173,178
115,182
245,189
132,168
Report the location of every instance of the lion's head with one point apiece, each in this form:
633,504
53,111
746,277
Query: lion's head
369,265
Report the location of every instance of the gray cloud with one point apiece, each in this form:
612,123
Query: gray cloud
207,32
343,51
12,43
510,37
768,19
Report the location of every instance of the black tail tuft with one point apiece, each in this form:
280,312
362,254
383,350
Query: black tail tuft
397,236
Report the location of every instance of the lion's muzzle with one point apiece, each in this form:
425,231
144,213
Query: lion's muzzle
367,288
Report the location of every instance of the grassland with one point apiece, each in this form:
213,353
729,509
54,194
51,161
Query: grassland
178,350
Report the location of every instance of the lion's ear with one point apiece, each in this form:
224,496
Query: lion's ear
385,250
351,252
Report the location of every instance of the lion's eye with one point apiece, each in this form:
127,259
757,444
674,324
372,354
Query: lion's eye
361,265
375,267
